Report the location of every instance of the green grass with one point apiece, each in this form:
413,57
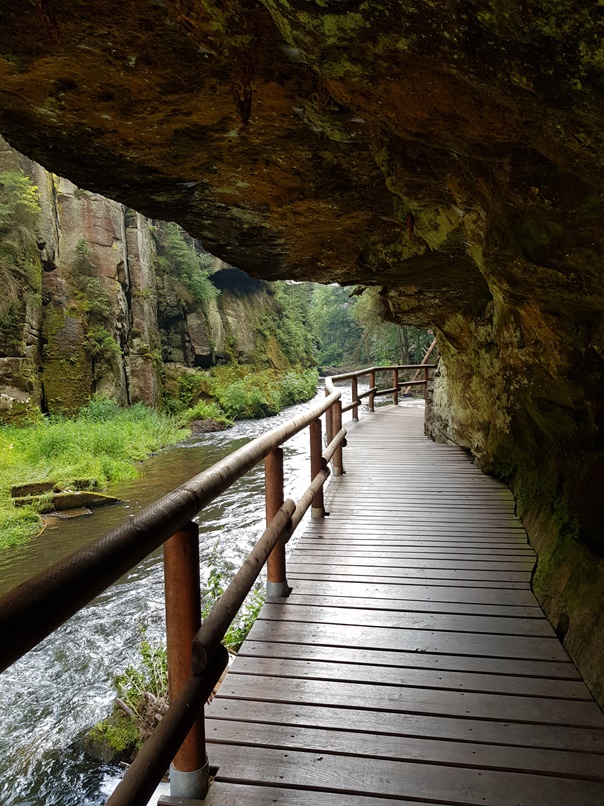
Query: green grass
243,394
102,444
105,442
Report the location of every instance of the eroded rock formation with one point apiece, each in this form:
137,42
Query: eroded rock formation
450,153
106,311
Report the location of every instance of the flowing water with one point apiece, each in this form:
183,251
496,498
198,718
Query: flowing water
64,685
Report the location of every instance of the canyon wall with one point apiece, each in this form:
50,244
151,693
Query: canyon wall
106,311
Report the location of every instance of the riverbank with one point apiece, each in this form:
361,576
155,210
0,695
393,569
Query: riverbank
101,445
105,443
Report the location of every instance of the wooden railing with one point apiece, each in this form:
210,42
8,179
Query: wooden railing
196,657
374,391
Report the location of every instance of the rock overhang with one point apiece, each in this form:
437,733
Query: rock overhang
451,154
327,141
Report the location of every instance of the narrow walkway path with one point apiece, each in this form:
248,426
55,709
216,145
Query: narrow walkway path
411,662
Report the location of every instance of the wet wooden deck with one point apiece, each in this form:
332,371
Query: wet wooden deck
411,662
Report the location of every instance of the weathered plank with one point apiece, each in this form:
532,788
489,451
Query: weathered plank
404,620
371,776
513,667
344,672
419,592
407,699
411,662
380,723
586,766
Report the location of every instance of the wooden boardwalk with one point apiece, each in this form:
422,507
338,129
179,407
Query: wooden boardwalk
411,663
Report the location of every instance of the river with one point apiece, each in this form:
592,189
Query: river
64,685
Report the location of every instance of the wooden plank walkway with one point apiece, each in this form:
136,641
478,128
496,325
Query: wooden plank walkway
411,662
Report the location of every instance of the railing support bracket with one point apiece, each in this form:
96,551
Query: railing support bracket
194,784
277,590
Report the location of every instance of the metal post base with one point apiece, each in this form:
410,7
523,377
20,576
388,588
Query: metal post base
317,512
338,471
277,590
192,785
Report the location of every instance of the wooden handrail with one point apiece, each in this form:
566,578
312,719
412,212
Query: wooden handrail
34,609
374,391
40,605
423,363
357,373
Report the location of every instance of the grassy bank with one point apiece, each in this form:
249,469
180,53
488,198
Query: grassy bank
105,442
101,445
236,392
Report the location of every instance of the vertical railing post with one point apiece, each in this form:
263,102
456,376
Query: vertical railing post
276,584
426,373
372,395
336,419
318,505
328,421
355,398
189,771
395,386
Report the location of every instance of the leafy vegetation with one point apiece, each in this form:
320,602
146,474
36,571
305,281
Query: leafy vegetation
218,580
336,332
207,411
144,688
350,331
93,301
101,444
19,257
244,394
290,326
238,392
179,258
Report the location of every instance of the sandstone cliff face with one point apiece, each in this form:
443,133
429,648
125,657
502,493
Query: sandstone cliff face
106,319
451,154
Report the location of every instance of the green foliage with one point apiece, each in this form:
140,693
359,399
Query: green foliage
291,324
236,392
18,200
144,688
180,259
100,343
336,332
184,391
260,394
247,399
204,410
114,739
352,331
101,444
19,258
298,387
247,614
93,302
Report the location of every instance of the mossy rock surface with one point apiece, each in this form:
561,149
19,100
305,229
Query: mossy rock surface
113,740
60,501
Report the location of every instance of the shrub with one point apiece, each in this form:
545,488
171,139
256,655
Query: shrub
244,394
180,259
247,614
243,400
207,411
144,689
